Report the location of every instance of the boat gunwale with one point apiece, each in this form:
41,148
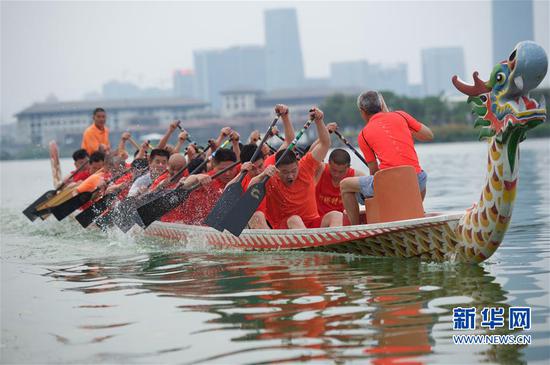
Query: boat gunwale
406,223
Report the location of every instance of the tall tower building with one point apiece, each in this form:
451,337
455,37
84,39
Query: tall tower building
512,22
225,69
438,67
283,52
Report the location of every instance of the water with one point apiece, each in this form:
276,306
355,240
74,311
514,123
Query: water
78,296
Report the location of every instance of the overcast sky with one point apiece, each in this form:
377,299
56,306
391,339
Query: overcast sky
71,48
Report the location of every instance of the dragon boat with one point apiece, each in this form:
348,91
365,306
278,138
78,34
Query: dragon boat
504,111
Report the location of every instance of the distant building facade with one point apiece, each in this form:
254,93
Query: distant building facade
512,22
65,121
438,67
224,69
362,74
284,65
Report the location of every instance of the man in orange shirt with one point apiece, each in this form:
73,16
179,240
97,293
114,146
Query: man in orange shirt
96,136
388,138
290,191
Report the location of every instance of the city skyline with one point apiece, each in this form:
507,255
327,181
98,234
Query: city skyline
328,33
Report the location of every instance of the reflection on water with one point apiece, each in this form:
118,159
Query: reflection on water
302,307
80,296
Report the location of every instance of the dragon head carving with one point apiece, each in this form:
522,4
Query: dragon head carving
502,103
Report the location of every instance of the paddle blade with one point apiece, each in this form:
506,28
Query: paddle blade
155,209
30,211
227,201
86,217
239,216
64,209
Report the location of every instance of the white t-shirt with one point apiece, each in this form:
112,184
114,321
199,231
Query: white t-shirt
140,185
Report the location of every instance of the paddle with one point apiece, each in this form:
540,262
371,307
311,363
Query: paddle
30,211
154,210
343,139
87,216
233,193
63,210
241,213
126,214
301,152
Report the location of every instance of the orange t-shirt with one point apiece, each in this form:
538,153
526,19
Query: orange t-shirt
327,195
93,137
387,136
297,199
91,183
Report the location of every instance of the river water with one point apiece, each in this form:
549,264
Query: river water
70,295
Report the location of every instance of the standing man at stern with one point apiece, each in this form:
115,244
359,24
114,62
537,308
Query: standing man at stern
96,136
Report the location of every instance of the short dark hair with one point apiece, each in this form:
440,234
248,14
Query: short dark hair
98,110
340,157
288,159
97,156
196,162
247,151
159,152
222,155
80,154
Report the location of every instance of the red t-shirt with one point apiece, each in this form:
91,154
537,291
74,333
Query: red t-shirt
81,175
387,136
297,199
198,204
121,180
327,195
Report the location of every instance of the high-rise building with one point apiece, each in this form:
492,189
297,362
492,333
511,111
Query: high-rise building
183,84
438,67
363,75
284,64
349,74
225,69
512,22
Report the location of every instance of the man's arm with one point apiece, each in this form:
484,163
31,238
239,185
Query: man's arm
182,137
320,151
123,139
283,111
425,134
171,128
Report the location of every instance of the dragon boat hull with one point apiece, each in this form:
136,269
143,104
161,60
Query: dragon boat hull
431,238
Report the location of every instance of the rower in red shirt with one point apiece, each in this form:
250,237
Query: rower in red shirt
200,202
80,157
386,141
329,176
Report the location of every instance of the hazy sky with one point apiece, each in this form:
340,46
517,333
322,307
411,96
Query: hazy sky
71,48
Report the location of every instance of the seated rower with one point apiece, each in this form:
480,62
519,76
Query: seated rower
201,201
158,159
388,138
176,162
290,191
112,165
80,157
328,178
